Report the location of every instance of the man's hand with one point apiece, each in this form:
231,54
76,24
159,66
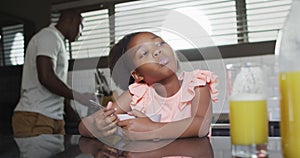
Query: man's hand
84,98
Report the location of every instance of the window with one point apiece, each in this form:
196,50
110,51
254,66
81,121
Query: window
13,45
265,18
224,22
216,17
95,38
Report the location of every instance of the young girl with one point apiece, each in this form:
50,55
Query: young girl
183,102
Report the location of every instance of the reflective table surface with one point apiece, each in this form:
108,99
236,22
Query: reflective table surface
76,146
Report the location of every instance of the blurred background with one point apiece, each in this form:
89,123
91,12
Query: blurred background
241,30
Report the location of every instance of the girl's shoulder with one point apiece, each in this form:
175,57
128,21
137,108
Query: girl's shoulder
198,78
137,91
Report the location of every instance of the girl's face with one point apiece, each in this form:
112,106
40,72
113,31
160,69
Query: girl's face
153,59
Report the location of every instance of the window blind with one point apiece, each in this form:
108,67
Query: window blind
226,21
218,17
221,19
265,18
95,38
13,45
229,21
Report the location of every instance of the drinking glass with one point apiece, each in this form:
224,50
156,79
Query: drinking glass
289,113
288,51
247,110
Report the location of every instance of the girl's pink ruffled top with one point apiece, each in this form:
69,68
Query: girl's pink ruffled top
178,106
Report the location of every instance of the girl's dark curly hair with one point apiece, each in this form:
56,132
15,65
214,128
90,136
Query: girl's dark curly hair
120,67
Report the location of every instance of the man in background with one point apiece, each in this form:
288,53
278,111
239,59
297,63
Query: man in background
41,106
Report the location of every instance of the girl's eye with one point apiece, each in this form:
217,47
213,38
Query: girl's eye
143,54
160,43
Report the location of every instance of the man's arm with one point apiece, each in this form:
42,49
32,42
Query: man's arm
48,78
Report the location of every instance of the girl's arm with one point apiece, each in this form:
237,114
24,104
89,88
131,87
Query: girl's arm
202,112
197,125
122,103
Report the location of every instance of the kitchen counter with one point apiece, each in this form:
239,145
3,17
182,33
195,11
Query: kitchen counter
67,146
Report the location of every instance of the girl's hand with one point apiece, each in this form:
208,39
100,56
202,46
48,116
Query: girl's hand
135,129
106,122
103,122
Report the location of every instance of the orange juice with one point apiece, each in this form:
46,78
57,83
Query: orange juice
248,121
290,113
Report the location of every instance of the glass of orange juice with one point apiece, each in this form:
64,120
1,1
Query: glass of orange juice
247,110
289,113
288,50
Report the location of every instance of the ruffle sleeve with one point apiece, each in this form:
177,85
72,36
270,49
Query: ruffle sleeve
137,91
199,78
